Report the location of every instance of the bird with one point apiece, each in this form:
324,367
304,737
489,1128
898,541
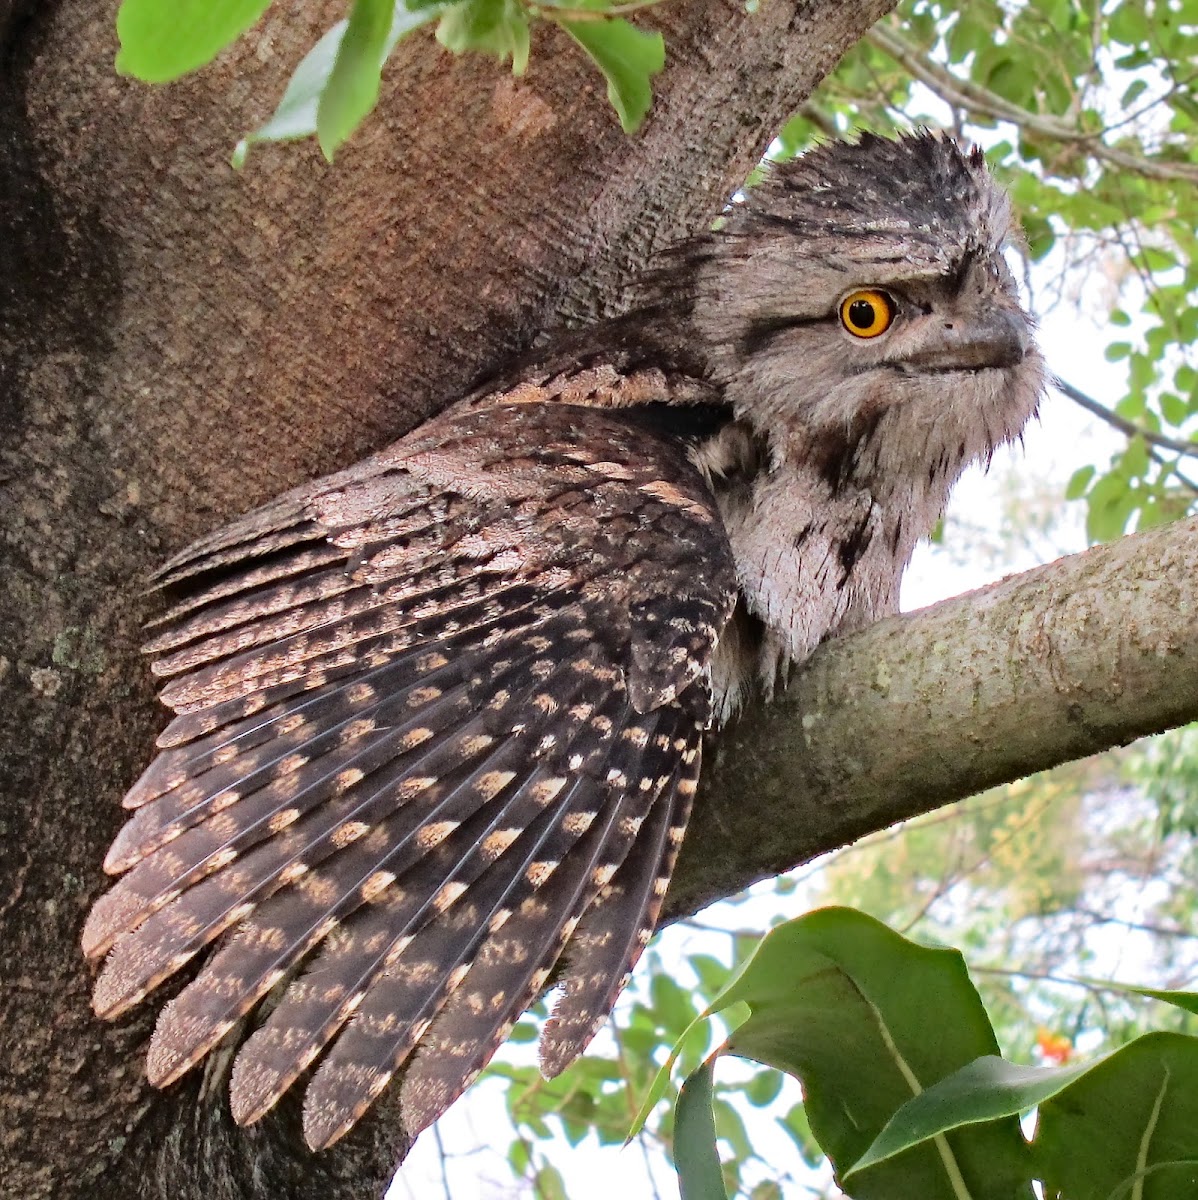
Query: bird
439,717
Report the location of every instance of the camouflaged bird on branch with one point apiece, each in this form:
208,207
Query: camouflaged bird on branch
439,717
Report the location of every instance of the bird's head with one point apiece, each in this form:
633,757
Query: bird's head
858,308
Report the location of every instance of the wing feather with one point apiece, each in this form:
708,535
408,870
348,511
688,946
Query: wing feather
511,969
374,1044
282,931
311,1013
302,563
431,713
617,928
272,813
289,725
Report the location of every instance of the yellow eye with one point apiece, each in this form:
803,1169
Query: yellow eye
866,313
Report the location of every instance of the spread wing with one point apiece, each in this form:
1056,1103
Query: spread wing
438,721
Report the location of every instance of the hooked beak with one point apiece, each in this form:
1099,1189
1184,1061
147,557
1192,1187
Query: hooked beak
994,338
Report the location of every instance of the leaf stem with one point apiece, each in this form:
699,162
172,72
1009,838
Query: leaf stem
951,1169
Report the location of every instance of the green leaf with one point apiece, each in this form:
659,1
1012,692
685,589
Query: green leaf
730,1127
696,1036
673,1005
628,58
163,39
763,1088
695,1157
866,1019
1137,58
984,1090
1173,408
1156,258
1130,25
767,1189
1040,235
1128,1127
798,1128
1109,505
712,973
352,89
1135,458
1129,1115
1142,370
1187,1001
519,1156
296,114
1078,482
1134,91
495,27
1134,404
1012,78
548,1184
967,36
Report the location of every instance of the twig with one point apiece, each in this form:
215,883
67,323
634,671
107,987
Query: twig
1155,930
554,12
1130,428
640,1140
444,1163
965,93
1095,987
826,126
1184,480
959,874
1039,976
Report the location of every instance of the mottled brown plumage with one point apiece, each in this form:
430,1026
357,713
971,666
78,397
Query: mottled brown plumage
439,717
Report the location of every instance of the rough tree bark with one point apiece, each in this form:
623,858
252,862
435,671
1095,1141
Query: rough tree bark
179,342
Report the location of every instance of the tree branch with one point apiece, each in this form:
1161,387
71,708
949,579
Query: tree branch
1072,658
964,93
1130,428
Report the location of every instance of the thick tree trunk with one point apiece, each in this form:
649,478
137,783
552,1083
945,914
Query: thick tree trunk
178,342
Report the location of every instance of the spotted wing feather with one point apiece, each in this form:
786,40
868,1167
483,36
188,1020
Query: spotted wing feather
617,927
289,925
433,712
510,970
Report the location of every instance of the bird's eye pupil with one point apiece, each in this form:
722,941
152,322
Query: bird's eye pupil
867,312
861,314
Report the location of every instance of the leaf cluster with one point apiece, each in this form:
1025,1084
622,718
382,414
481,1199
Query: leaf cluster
906,1091
336,85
